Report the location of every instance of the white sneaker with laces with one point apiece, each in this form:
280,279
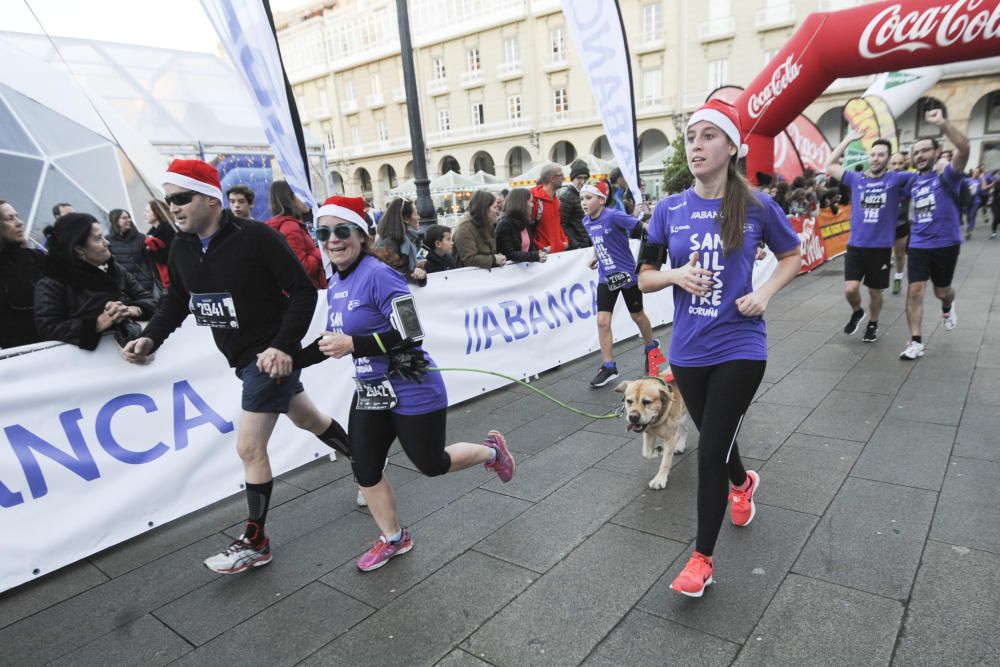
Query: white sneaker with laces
950,319
913,351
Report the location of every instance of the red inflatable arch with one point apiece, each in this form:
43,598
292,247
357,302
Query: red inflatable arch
872,38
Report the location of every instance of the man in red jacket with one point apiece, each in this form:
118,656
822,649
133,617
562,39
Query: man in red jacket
549,233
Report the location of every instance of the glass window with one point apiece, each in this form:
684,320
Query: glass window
478,116
557,42
718,72
512,50
769,55
331,141
444,120
349,90
652,87
439,70
560,101
472,60
719,9
383,134
356,135
514,108
652,21
376,81
324,101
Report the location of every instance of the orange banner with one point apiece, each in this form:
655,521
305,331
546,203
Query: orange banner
834,230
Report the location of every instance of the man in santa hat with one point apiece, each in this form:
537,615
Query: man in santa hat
243,282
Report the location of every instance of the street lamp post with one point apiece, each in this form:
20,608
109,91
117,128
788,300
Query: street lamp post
425,207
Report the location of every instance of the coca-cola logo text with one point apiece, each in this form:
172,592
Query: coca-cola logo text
891,30
782,76
812,154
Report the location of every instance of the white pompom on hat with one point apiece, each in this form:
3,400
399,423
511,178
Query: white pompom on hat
724,116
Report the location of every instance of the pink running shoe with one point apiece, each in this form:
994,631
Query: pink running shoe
741,506
382,551
503,465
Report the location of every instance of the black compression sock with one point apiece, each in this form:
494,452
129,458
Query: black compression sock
917,339
946,309
335,437
258,499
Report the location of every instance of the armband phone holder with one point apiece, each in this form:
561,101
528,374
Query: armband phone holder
405,320
652,253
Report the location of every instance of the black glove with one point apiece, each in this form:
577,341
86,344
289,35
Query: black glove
408,364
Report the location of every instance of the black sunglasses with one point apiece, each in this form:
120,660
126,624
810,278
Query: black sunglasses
180,198
342,232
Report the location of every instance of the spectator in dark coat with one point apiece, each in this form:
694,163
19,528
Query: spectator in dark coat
475,236
128,247
440,249
85,292
20,269
570,210
515,233
158,241
287,212
396,246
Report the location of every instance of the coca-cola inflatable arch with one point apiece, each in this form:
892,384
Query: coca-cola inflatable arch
872,38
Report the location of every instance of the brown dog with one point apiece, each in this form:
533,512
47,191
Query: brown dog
654,407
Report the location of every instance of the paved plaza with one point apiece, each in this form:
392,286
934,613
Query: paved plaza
876,540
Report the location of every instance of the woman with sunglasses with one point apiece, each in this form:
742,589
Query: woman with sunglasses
372,318
709,235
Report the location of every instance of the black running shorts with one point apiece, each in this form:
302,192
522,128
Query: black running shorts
902,231
934,264
606,299
869,265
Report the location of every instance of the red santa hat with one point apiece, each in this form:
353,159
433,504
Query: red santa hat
195,175
348,209
724,116
598,189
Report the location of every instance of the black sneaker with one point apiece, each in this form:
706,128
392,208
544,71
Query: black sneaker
854,323
871,333
604,376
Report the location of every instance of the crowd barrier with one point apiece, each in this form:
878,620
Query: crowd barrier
95,451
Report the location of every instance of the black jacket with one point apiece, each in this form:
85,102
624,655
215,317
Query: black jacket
571,216
20,269
436,262
271,292
130,251
166,233
509,239
69,299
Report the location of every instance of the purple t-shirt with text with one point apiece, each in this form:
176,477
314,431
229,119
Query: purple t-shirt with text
875,207
936,221
710,330
361,305
610,233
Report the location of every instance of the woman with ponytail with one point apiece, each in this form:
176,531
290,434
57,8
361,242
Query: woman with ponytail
708,236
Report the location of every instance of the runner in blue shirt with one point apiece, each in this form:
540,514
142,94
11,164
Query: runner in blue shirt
709,235
936,237
875,197
609,232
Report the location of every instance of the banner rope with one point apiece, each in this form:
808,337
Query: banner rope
611,415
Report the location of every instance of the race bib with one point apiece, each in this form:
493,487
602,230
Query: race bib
618,280
375,394
215,310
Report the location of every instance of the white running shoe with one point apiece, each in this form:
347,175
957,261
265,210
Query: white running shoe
240,556
914,350
361,499
951,319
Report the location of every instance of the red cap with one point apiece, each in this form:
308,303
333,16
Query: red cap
348,209
195,175
724,116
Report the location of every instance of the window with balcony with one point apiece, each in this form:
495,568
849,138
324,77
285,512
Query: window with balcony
383,134
439,70
652,88
514,116
444,120
512,50
331,142
652,22
560,102
478,115
720,23
557,45
472,61
718,72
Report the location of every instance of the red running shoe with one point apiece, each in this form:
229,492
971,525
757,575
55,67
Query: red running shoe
503,465
742,508
695,577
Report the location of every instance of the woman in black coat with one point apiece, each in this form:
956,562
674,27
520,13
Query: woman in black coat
516,232
20,269
85,292
128,247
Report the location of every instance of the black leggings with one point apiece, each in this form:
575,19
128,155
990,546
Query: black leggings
370,434
995,208
717,398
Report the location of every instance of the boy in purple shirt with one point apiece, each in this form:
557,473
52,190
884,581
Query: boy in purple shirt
875,197
609,230
936,236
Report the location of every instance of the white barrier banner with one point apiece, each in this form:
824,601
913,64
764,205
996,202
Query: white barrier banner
94,451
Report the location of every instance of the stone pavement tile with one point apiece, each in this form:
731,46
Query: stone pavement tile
459,658
750,564
183,531
952,615
521,411
70,624
668,512
870,538
762,389
595,586
628,458
934,401
907,453
644,639
545,431
426,495
879,372
977,433
788,353
805,474
227,601
846,416
985,389
317,473
812,622
967,512
777,329
429,621
803,387
286,632
31,597
553,467
542,536
835,355
945,364
144,641
437,539
989,351
766,426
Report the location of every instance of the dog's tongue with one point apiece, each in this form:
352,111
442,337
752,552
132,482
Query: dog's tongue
630,427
